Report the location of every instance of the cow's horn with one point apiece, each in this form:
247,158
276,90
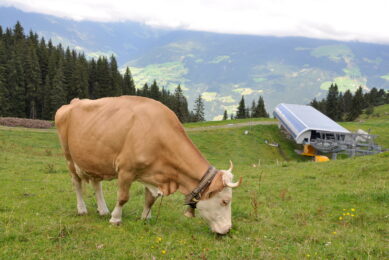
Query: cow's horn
234,185
231,166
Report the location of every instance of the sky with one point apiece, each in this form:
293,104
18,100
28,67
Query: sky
344,20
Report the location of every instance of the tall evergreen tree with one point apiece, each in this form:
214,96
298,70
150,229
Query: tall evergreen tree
199,109
154,91
347,103
241,112
260,110
225,115
180,105
332,102
357,105
128,83
115,84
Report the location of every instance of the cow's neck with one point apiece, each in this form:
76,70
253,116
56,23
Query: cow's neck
190,166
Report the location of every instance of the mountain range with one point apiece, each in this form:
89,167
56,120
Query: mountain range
221,67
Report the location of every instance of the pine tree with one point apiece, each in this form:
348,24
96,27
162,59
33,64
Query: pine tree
145,91
128,83
225,116
241,112
199,109
357,105
154,91
260,110
115,82
332,102
180,105
347,104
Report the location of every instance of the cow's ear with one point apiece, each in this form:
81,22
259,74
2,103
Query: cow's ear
216,186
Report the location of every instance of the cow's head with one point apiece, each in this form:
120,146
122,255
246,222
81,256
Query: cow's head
215,208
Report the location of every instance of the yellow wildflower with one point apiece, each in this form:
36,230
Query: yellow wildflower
308,255
163,252
334,232
352,209
352,215
344,214
159,239
340,218
344,209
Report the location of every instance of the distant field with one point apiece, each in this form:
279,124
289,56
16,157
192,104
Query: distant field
287,208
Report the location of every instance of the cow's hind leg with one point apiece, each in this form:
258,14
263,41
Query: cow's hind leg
149,201
124,183
101,205
77,182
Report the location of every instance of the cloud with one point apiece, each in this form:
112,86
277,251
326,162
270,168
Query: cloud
359,20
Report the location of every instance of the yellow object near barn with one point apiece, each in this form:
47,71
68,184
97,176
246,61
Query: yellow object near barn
321,158
309,150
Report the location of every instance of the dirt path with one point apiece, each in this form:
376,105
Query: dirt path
231,125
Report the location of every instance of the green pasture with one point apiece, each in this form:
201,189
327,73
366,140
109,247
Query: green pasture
287,207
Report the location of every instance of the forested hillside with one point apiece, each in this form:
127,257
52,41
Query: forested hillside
36,78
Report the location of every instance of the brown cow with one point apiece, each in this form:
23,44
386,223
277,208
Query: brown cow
138,139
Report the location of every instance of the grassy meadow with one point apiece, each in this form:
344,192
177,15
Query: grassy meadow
287,207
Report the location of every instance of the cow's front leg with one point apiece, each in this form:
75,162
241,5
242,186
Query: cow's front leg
101,205
124,183
149,201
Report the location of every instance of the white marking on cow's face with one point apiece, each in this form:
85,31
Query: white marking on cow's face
217,211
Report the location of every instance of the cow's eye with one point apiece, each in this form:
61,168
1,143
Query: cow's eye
225,202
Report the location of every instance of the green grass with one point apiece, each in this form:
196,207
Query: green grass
284,209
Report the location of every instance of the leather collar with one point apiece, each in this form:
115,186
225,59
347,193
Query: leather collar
192,198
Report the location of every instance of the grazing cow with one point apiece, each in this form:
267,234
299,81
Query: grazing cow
138,139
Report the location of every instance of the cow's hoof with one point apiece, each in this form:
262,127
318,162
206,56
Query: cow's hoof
103,212
82,212
115,221
146,215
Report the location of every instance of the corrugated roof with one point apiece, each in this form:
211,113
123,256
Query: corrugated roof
300,118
